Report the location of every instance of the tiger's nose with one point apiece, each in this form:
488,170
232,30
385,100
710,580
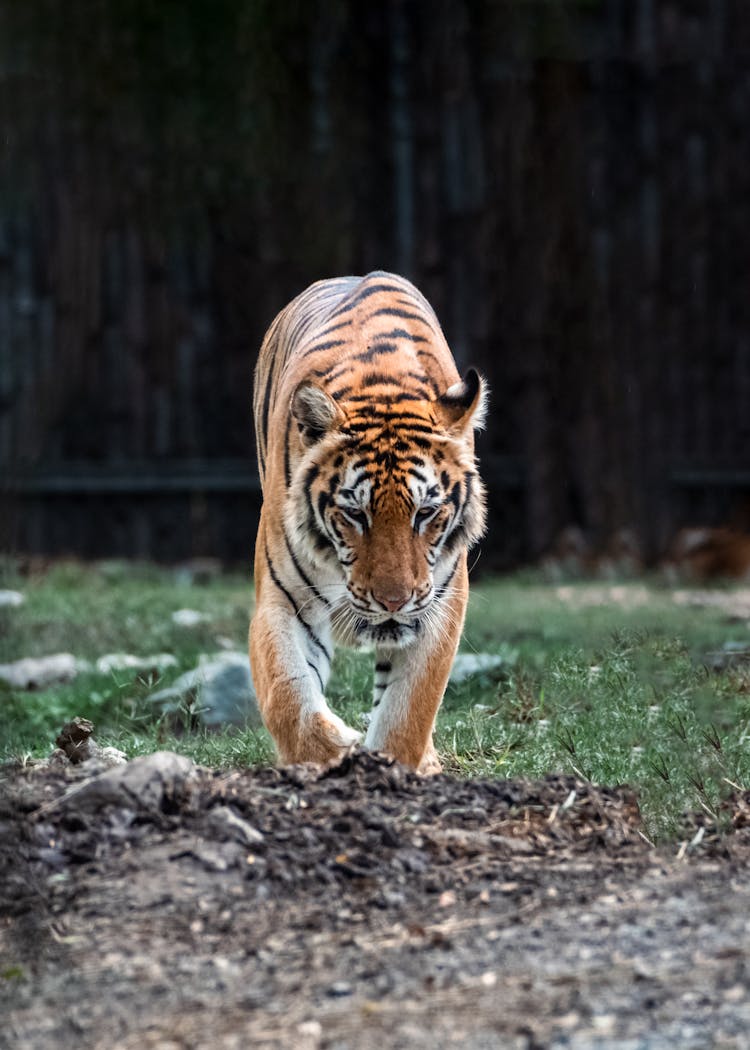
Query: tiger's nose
392,599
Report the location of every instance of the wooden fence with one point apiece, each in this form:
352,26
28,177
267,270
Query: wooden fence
568,183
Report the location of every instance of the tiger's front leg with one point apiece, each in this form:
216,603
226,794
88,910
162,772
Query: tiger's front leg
410,682
290,670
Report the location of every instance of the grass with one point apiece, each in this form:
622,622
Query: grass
618,692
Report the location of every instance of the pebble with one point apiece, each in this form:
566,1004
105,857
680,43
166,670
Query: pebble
189,617
39,672
224,820
128,662
467,664
340,988
223,687
143,782
11,599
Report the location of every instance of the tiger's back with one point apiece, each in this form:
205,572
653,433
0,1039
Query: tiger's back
343,333
371,497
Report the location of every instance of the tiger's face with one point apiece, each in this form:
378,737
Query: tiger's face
387,495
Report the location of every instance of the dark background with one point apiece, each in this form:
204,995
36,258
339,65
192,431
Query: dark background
568,181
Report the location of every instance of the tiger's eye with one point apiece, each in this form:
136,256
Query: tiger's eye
356,517
423,515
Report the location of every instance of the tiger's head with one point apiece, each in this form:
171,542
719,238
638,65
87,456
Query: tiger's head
385,497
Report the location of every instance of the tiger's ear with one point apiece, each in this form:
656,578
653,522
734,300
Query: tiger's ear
464,404
316,413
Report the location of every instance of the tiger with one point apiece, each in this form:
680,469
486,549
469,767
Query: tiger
371,499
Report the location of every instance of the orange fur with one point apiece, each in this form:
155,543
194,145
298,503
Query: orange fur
371,498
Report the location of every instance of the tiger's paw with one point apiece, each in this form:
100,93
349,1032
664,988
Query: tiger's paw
430,765
325,738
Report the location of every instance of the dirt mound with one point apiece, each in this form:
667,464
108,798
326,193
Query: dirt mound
160,904
366,819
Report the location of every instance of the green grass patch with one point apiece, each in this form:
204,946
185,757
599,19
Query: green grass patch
612,682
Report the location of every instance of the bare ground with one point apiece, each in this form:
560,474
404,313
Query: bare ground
362,907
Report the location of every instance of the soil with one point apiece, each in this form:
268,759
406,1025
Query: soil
361,906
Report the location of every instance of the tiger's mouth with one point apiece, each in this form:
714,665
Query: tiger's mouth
390,632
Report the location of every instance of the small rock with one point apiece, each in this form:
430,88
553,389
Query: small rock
107,756
11,599
128,662
142,783
73,739
75,744
310,1029
189,617
340,988
40,672
211,858
223,688
735,994
467,664
56,760
228,824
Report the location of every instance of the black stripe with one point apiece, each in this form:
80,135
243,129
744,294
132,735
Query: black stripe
469,481
378,399
455,537
322,541
386,417
403,425
305,578
334,327
264,413
428,353
378,378
424,379
399,398
310,633
323,500
401,333
444,585
317,672
365,293
287,466
319,347
279,584
310,477
358,479
375,350
393,311
357,428
331,374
